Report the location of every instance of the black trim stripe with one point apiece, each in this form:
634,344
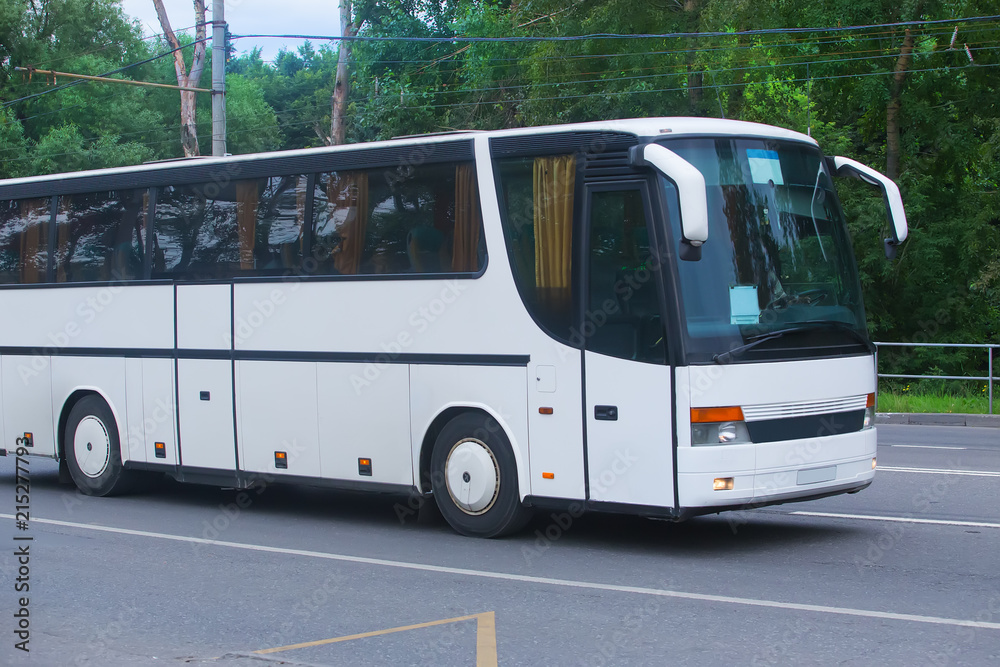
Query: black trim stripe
808,426
684,513
276,164
561,142
244,479
513,360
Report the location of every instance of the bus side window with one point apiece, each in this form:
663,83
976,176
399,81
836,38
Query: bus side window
278,240
24,225
422,219
198,229
100,236
539,203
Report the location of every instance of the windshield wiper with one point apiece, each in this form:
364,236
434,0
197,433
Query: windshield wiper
811,325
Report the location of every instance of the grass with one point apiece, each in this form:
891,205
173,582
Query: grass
906,401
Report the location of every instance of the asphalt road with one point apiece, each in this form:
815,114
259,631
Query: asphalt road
905,572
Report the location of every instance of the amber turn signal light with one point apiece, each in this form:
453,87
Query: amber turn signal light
712,415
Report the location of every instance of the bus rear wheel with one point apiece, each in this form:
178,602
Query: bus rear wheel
92,449
474,478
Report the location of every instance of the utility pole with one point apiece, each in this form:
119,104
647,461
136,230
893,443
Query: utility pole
218,78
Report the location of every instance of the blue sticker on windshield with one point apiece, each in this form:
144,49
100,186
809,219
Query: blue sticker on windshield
764,166
743,308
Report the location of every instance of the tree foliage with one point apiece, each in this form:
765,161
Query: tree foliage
922,97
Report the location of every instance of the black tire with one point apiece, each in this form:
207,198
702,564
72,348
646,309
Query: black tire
466,449
92,449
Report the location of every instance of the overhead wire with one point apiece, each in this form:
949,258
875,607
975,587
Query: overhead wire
616,36
606,80
64,58
117,71
787,61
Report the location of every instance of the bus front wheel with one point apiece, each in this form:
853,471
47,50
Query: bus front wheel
474,478
92,449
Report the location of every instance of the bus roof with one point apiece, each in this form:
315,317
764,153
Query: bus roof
640,127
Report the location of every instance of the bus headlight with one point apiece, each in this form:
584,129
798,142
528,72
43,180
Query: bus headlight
720,433
869,412
718,426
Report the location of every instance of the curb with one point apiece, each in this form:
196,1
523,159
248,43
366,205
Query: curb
988,421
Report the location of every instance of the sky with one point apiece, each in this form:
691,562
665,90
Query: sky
244,17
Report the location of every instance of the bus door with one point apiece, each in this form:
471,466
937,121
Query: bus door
627,388
205,377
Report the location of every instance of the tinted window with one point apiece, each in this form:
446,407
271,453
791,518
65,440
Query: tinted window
278,239
197,234
538,200
416,220
101,236
623,313
24,234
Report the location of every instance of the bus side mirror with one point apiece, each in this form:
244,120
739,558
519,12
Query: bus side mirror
890,191
690,191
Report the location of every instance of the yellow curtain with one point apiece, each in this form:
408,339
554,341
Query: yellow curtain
34,239
554,185
247,198
465,245
350,191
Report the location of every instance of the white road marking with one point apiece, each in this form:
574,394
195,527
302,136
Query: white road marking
900,519
942,471
926,447
522,578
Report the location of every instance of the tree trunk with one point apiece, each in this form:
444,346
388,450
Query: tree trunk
338,103
892,147
186,78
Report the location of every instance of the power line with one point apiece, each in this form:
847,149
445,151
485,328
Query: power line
52,61
312,121
117,71
616,36
685,51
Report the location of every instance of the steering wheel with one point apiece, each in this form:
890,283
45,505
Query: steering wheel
809,297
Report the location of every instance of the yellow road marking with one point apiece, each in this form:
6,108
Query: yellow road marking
486,640
486,637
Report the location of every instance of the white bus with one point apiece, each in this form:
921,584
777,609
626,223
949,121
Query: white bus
659,317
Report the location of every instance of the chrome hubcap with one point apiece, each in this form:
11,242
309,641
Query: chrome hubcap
472,475
92,446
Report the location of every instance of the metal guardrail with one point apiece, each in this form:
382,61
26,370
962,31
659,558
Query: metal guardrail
989,354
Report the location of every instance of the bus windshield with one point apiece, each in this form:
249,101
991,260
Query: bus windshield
777,277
